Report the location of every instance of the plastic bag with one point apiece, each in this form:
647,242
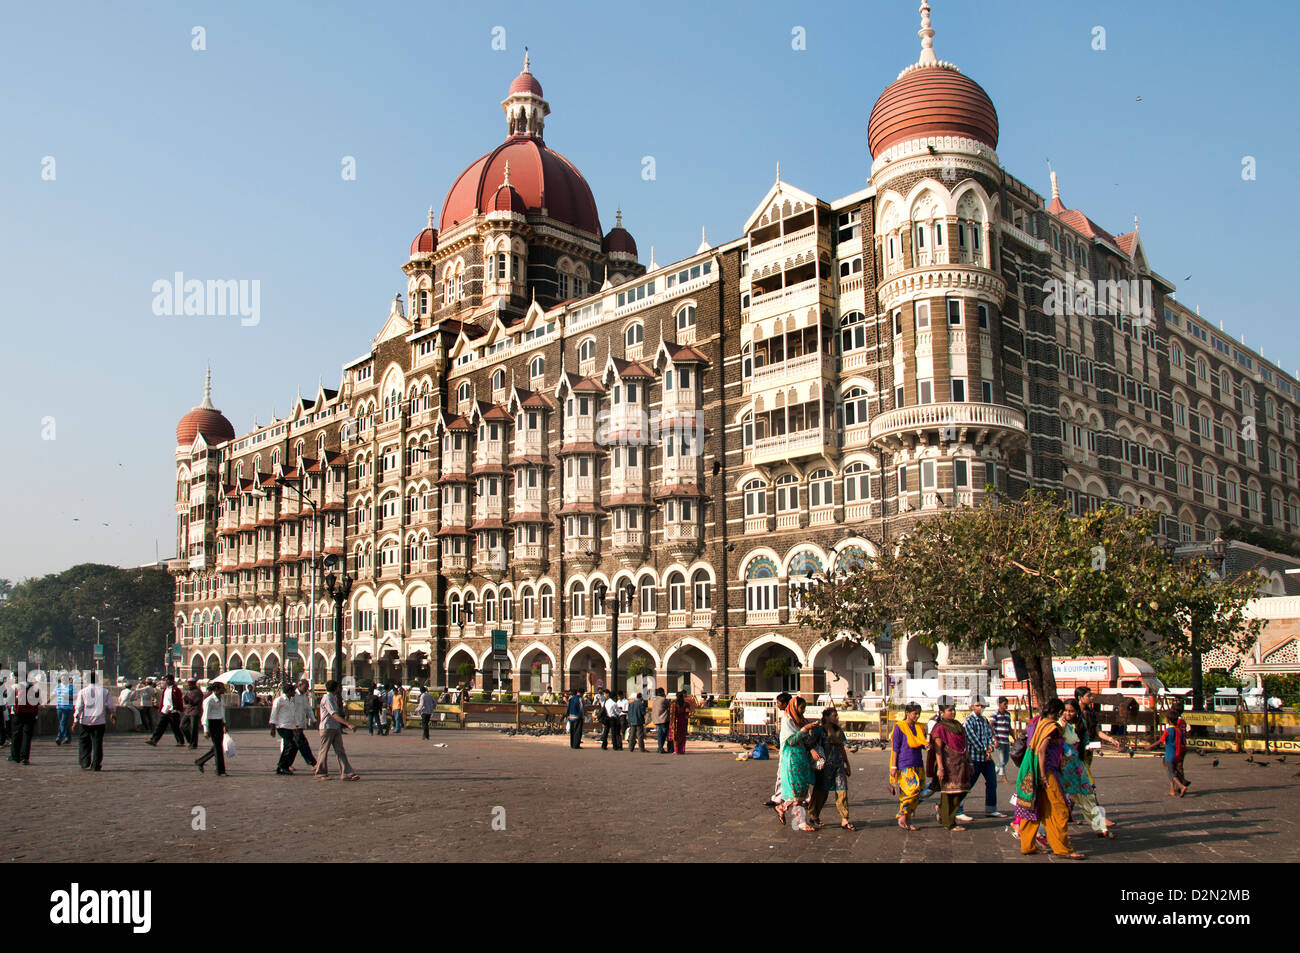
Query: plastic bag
760,752
228,747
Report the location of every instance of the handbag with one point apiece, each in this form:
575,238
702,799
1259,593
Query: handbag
1017,752
228,747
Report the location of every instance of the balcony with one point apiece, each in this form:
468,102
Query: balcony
456,563
580,489
530,558
679,620
782,247
804,294
787,520
798,443
701,618
490,563
682,540
629,546
797,368
531,444
490,453
456,461
529,500
964,422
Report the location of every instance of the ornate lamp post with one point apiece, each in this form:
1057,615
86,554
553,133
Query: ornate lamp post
622,603
338,590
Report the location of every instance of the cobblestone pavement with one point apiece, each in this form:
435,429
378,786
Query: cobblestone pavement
419,802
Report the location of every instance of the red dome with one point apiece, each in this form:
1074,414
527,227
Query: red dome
525,83
931,101
425,243
541,177
507,200
619,241
207,421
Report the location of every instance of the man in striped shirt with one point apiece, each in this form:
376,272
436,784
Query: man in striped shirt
980,745
1002,737
64,698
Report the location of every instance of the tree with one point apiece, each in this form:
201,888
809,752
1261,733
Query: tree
1024,575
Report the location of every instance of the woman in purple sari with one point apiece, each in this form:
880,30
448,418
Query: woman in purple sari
948,763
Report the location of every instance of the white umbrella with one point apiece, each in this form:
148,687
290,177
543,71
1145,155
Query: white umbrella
237,676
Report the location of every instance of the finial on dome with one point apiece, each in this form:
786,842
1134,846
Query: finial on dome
207,390
778,173
506,179
618,217
926,33
1056,189
526,69
431,216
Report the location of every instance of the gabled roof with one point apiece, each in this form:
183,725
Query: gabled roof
678,354
786,193
626,370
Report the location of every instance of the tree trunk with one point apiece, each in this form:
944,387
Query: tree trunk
1198,690
1042,681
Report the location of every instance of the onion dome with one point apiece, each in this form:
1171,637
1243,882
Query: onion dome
204,419
506,198
425,243
931,99
545,181
619,241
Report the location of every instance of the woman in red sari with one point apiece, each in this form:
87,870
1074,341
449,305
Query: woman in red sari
678,720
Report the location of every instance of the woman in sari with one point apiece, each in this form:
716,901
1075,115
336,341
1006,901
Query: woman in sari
906,765
833,775
947,763
1040,793
796,764
1075,778
679,713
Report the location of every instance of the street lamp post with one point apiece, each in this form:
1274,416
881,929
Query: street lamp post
622,600
338,590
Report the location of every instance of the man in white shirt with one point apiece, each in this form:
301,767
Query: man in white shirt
169,713
93,705
214,727
610,707
284,717
124,703
302,705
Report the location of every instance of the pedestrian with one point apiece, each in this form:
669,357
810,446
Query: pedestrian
93,705
374,707
796,766
980,745
65,698
191,712
636,709
574,714
906,764
679,717
26,709
659,711
833,775
249,697
424,708
170,703
610,721
303,720
1075,778
1002,737
1040,792
213,724
1174,740
283,716
948,763
623,705
1089,725
125,702
332,726
148,699
398,701
783,724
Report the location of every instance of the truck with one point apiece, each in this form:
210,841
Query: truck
1106,675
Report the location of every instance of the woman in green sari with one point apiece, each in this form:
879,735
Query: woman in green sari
796,766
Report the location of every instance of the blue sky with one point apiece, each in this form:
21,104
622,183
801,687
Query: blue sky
225,163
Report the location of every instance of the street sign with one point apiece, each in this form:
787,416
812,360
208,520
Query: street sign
291,644
99,650
178,650
499,637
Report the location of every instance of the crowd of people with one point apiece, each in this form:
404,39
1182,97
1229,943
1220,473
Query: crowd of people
623,718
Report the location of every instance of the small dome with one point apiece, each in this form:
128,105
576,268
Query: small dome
204,419
508,200
619,240
425,243
525,82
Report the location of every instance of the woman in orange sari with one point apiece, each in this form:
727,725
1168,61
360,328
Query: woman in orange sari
1040,793
679,713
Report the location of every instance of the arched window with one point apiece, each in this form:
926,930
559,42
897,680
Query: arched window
747,362
587,350
578,599
686,318
855,406
537,368
755,498
702,591
499,379
462,392
529,604
676,593
857,483
634,335
546,600
747,430
787,493
761,585
821,488
853,332
490,607
453,609
646,589
469,608
507,606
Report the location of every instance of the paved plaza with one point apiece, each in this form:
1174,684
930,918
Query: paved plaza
417,802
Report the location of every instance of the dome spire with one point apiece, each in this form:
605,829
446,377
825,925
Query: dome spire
926,33
618,217
431,216
526,69
207,391
505,180
1056,188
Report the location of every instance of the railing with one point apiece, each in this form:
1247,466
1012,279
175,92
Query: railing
681,531
786,299
629,538
769,617
678,619
850,284
530,446
787,520
457,461
458,562
781,247
530,551
806,365
701,618
489,453
756,524
790,444
928,416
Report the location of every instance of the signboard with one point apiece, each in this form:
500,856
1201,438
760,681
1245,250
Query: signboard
1072,669
99,650
755,715
499,637
291,645
178,650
